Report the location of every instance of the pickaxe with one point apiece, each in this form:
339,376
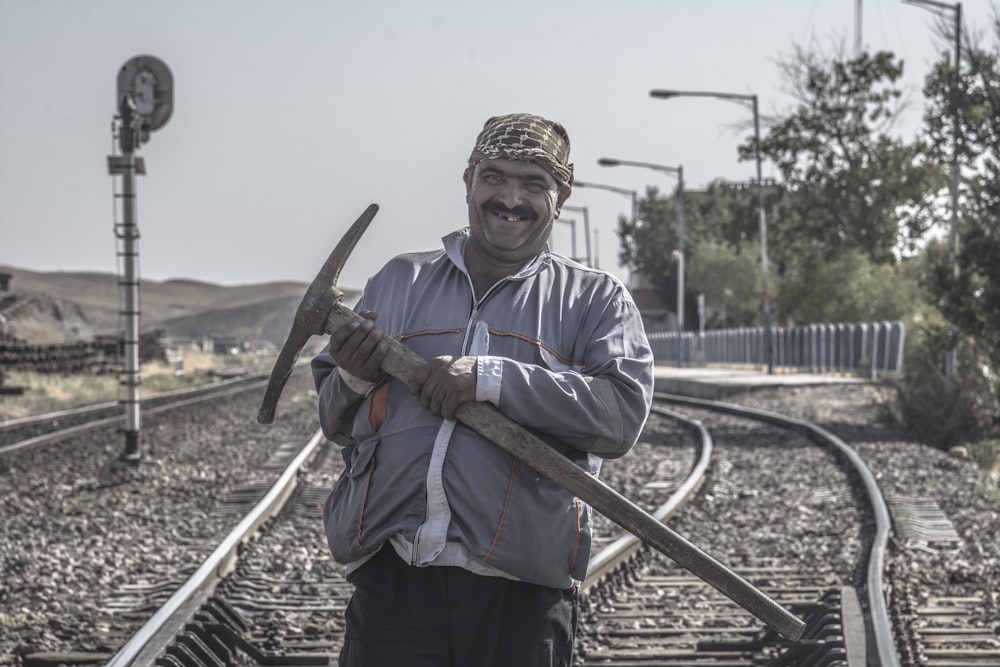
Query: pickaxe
322,311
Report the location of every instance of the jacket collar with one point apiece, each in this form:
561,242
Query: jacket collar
454,247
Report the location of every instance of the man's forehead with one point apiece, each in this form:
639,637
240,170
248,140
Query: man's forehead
521,168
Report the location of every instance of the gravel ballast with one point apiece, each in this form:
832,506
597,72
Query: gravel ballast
68,538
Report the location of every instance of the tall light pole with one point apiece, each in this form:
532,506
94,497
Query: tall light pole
677,172
586,229
949,360
572,231
622,191
736,97
857,28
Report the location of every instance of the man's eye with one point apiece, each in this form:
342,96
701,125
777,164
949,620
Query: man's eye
492,179
534,187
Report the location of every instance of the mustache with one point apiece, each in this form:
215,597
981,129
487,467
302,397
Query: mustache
524,212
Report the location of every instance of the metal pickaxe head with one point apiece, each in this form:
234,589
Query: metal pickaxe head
310,318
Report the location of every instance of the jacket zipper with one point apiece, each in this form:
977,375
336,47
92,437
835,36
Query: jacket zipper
469,327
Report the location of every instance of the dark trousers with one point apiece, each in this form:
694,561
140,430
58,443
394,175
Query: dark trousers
403,616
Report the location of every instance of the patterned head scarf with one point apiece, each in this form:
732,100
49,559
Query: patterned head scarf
522,136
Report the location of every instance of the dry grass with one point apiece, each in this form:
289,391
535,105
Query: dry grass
49,392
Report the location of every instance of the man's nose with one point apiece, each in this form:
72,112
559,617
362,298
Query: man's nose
512,193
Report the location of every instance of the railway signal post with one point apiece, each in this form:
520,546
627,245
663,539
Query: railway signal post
145,102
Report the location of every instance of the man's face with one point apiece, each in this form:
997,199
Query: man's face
512,206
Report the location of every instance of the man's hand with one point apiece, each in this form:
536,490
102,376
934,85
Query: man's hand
444,383
359,348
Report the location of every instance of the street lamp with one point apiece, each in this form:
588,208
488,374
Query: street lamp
622,191
572,231
736,97
586,228
949,362
677,172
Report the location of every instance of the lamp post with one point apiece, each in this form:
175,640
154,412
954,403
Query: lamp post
586,229
572,231
622,191
949,361
736,97
677,172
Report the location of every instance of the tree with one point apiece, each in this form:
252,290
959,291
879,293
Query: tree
851,198
848,288
716,263
962,119
968,291
731,283
649,245
849,183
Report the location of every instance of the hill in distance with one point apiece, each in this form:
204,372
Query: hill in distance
53,307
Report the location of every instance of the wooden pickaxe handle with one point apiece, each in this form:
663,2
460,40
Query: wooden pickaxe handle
516,440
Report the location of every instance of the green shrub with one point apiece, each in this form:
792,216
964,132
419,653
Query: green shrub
986,454
925,408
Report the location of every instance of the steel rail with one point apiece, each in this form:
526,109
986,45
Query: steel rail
878,617
611,556
149,642
83,411
32,420
144,646
158,632
215,390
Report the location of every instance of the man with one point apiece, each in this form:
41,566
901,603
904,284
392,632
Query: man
460,554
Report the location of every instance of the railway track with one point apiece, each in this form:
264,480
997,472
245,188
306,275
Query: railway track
285,596
36,430
277,598
626,593
660,615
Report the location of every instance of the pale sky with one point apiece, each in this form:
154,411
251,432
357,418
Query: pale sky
290,117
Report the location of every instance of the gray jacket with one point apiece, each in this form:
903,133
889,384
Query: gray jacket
560,349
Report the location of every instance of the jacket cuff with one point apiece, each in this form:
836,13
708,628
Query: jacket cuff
355,384
489,377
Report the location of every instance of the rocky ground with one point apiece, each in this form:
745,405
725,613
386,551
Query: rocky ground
68,538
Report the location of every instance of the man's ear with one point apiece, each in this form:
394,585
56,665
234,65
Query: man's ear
564,193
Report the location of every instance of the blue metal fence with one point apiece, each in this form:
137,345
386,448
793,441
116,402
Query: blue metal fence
866,348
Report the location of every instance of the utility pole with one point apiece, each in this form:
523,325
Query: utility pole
857,27
956,79
752,100
588,259
678,173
